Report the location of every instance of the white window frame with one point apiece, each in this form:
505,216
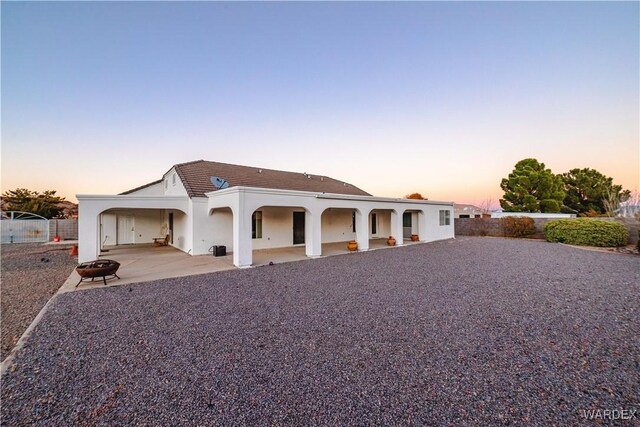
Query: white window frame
445,217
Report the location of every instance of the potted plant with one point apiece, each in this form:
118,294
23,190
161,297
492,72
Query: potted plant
414,237
391,241
352,245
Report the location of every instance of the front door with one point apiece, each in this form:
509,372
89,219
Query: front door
125,230
171,227
298,228
406,225
374,225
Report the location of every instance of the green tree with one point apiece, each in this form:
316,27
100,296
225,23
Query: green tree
588,191
532,188
44,204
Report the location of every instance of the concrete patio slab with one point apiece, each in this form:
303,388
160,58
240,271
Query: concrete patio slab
144,263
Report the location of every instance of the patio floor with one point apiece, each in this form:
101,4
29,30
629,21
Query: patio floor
145,262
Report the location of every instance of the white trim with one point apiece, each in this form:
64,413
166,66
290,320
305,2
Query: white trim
334,196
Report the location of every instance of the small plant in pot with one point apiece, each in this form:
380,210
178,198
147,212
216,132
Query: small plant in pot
352,245
414,237
391,241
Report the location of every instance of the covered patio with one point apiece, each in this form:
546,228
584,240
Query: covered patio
146,262
318,219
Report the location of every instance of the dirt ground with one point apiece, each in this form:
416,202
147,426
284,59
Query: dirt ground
30,274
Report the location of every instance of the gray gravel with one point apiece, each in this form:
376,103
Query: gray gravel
477,331
30,275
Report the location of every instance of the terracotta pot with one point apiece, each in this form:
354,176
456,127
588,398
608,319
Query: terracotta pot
56,239
352,246
414,237
74,251
391,241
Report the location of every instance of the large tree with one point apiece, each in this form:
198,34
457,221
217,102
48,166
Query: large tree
44,204
532,188
588,191
415,196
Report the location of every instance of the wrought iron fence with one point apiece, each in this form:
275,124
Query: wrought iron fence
24,227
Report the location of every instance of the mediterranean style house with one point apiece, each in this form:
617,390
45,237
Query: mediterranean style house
201,204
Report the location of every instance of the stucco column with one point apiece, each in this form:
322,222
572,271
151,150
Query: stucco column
313,233
396,226
242,245
362,229
87,234
422,225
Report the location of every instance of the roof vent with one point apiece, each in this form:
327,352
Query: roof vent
219,183
322,178
259,170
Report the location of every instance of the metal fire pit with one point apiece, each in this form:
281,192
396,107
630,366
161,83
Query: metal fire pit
98,268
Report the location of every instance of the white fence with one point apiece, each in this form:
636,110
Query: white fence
24,227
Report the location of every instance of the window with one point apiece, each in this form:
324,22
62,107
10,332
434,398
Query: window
353,222
374,224
256,225
445,217
463,216
173,179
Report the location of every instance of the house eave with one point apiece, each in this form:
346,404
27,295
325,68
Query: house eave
334,196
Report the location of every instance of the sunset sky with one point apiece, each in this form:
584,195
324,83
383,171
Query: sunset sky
438,98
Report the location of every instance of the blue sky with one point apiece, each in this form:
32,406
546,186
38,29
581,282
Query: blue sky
440,98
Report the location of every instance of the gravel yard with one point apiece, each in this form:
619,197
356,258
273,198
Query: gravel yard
476,331
30,275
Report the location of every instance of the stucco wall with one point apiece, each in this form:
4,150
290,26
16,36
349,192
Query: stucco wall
181,230
435,231
221,224
171,189
152,190
147,224
277,228
108,229
337,225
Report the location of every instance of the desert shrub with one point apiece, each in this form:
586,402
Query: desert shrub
586,232
518,226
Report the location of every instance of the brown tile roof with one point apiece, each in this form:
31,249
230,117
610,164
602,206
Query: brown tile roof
196,177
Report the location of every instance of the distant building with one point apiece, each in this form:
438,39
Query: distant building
627,211
466,211
532,215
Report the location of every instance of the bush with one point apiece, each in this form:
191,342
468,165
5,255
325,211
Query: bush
518,226
549,205
586,232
